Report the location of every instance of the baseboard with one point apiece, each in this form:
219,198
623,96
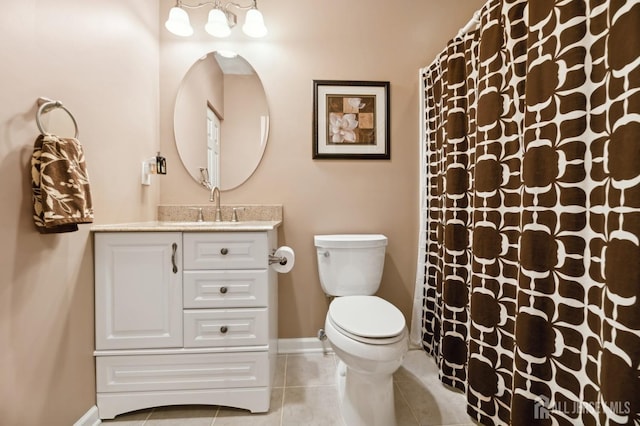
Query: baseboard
303,345
90,418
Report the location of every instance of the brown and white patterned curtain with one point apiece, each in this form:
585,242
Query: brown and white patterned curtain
532,213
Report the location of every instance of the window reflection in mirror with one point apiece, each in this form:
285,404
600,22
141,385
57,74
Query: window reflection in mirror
221,120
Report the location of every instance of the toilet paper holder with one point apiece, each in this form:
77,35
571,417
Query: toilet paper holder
276,259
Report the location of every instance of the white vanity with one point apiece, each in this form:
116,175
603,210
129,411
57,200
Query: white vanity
185,314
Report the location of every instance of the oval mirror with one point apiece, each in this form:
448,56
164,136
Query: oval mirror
221,120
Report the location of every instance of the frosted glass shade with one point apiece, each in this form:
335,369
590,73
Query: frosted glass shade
178,22
217,24
254,24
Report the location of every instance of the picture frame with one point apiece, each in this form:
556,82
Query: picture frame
351,120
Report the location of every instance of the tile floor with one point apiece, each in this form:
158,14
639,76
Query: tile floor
305,394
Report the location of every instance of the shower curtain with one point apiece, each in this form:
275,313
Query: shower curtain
530,248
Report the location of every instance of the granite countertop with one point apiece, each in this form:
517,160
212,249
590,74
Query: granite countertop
178,226
182,218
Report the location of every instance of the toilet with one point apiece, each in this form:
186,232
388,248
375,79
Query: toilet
367,333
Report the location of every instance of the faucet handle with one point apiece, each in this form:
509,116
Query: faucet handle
200,214
204,178
234,216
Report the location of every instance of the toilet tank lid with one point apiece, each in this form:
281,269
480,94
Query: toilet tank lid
350,240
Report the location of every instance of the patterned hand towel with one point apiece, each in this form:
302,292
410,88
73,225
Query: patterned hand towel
60,183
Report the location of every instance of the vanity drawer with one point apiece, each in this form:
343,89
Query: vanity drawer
225,327
225,289
127,373
225,250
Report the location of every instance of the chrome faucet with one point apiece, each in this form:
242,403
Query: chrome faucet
215,198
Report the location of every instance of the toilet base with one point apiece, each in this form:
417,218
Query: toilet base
365,399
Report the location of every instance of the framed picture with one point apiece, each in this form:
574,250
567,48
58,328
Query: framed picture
351,120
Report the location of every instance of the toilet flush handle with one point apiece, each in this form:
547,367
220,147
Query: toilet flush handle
325,253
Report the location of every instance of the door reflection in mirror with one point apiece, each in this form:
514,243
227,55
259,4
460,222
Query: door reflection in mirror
213,147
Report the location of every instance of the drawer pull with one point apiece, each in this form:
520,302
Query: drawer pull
223,329
224,251
223,290
174,249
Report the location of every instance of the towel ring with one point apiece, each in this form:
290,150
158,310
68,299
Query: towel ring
47,105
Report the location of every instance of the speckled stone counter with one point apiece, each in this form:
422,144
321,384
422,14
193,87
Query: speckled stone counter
245,212
159,226
181,218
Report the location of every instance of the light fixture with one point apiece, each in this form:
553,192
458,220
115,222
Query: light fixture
220,20
217,24
178,22
254,24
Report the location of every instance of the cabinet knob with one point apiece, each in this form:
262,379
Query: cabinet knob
223,290
224,251
223,329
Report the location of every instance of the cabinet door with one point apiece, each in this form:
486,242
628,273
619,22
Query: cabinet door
138,279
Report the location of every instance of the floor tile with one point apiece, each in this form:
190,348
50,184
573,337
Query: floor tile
417,364
182,415
310,370
311,406
432,403
281,362
134,418
235,417
404,415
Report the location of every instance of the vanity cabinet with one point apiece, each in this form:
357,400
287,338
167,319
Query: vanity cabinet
184,318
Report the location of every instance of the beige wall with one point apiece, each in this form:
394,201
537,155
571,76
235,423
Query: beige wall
101,60
328,39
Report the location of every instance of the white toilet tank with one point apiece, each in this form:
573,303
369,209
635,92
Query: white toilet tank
350,264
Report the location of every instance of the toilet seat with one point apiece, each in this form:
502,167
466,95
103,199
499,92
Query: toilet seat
368,319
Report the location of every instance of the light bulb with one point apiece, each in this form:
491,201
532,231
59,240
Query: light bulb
178,22
217,24
254,24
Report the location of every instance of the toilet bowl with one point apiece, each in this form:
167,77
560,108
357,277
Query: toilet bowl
367,333
368,357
